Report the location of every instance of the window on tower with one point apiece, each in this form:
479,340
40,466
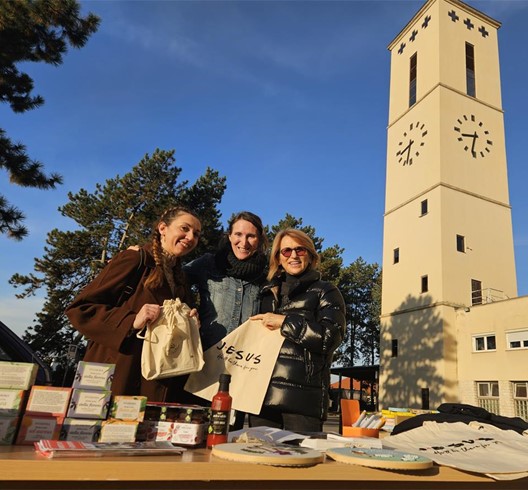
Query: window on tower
470,70
476,292
425,284
394,348
412,80
396,257
423,207
460,243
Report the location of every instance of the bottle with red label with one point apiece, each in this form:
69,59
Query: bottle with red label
220,413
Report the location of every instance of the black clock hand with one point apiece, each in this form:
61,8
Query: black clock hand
473,152
474,136
408,150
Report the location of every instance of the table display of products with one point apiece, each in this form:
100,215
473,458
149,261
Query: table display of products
54,424
87,412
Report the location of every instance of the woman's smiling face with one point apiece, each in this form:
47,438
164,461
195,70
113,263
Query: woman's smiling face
181,236
294,264
244,239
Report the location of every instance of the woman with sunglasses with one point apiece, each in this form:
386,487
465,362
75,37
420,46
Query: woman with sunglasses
310,314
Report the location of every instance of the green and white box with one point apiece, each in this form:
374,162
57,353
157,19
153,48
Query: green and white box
89,404
17,375
93,376
8,428
130,408
118,431
11,402
83,430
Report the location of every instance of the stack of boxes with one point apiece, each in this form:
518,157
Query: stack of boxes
16,379
88,412
90,401
44,411
126,413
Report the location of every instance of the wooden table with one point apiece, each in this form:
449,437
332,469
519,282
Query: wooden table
197,469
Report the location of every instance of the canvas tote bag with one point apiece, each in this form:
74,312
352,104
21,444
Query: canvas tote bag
248,354
476,447
171,345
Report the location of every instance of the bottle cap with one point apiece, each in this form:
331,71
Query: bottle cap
225,379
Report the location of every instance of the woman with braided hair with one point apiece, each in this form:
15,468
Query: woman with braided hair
111,324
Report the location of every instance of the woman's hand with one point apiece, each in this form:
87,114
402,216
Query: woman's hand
194,314
149,313
272,321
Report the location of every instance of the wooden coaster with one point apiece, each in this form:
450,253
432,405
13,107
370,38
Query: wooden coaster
379,458
268,453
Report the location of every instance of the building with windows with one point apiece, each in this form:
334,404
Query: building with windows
452,326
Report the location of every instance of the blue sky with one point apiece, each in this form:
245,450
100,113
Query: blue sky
287,99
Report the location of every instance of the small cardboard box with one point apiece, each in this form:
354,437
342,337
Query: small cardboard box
11,402
118,431
8,429
89,404
17,375
94,376
83,430
48,401
34,428
186,434
154,430
131,408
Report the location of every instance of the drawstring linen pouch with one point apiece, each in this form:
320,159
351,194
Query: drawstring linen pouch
171,344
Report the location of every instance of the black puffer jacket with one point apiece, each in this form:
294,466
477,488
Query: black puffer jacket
313,329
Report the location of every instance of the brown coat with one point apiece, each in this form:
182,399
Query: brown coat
108,327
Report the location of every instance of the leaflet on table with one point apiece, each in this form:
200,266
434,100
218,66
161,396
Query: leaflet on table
263,434
54,449
334,440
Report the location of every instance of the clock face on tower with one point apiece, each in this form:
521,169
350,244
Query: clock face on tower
475,138
411,143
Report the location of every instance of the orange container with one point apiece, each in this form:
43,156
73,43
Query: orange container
349,431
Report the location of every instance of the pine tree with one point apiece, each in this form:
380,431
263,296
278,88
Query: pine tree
360,284
118,214
32,31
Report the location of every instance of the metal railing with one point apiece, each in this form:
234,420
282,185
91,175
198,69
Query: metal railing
487,295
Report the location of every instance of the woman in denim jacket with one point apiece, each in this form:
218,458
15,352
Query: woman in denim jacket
229,280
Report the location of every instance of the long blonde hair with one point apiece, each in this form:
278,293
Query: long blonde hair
274,267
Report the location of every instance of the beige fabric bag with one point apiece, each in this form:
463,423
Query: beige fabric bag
171,345
248,354
476,447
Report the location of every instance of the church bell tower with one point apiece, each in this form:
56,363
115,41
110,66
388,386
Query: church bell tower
448,240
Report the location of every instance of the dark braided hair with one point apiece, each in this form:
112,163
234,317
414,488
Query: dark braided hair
155,278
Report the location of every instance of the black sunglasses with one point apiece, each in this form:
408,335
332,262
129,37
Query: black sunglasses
300,251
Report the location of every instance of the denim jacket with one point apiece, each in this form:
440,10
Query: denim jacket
225,302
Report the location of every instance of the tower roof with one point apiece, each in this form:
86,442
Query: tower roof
455,3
